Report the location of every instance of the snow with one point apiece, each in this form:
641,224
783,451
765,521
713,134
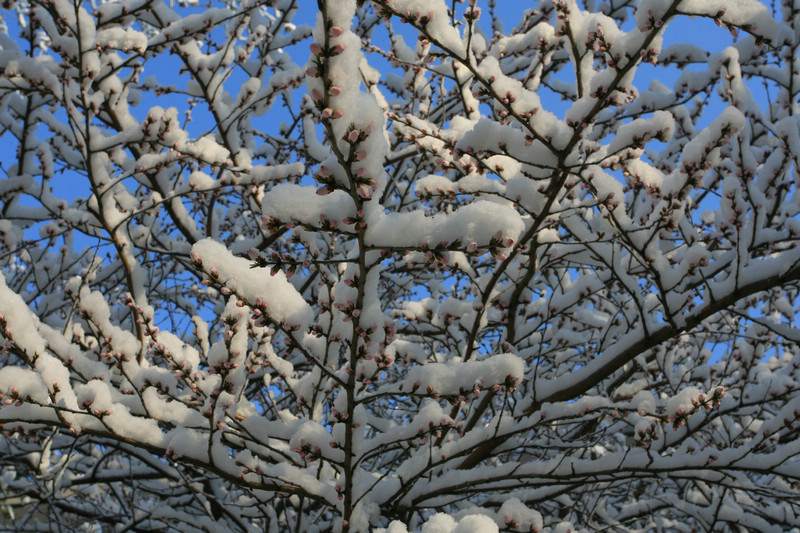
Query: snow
575,358
20,323
122,423
642,130
24,384
439,185
439,523
208,150
476,524
395,526
684,400
460,376
290,202
702,152
94,396
96,309
432,16
516,514
478,223
749,14
123,39
318,439
274,293
173,412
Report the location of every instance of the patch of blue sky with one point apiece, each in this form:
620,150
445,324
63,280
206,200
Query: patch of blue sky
167,71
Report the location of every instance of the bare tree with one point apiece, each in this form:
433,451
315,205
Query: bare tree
383,283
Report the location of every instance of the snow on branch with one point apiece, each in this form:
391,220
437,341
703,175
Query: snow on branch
400,266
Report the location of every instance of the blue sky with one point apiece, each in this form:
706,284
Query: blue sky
701,32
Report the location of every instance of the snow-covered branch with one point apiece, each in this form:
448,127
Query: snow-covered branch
399,265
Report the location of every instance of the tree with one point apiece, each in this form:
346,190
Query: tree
391,287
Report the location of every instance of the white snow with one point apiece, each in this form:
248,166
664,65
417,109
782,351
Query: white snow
478,223
276,294
450,378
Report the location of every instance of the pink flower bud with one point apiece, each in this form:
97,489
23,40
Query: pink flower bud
364,192
335,31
